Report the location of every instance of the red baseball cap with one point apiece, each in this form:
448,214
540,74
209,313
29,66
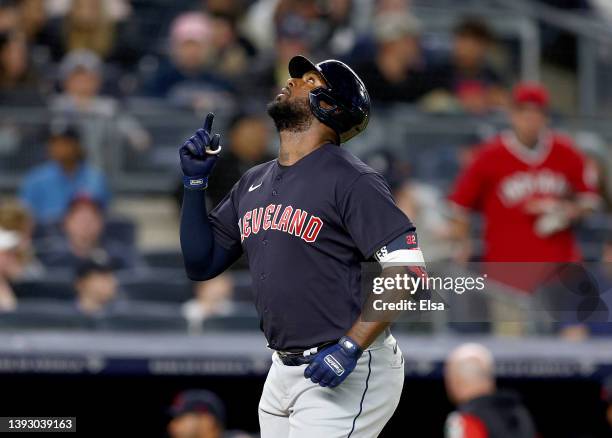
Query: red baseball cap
530,92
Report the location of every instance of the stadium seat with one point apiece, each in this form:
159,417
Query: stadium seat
145,317
45,315
120,229
51,288
171,286
245,318
164,259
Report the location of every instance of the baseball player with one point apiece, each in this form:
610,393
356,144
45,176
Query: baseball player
483,411
306,221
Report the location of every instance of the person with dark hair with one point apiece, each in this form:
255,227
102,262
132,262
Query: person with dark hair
198,413
306,221
96,285
82,238
49,188
397,73
19,82
468,75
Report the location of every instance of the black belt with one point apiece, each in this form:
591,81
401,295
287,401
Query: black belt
296,358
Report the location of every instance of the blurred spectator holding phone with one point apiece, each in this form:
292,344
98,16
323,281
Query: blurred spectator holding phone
48,189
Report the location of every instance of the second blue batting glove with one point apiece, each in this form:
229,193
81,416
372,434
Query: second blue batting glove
199,155
333,364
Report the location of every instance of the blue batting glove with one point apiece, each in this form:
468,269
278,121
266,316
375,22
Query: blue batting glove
333,364
199,155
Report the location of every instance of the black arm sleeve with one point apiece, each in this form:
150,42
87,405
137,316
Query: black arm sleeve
204,257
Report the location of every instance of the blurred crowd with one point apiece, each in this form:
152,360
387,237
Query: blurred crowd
87,56
90,60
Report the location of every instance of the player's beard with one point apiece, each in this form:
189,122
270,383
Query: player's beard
291,115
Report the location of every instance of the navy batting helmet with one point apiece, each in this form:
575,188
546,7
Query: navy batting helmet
346,101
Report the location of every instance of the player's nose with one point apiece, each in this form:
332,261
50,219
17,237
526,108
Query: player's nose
291,82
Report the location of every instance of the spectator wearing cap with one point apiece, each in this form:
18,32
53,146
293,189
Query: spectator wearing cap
82,75
468,75
48,189
531,185
10,268
96,285
198,413
82,238
397,73
185,77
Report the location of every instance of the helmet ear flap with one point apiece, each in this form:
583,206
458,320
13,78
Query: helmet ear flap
329,111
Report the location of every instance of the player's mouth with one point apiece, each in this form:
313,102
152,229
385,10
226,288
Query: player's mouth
284,92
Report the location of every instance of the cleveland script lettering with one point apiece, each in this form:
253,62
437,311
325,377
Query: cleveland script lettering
291,221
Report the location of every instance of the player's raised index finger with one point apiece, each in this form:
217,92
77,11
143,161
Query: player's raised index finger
208,122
